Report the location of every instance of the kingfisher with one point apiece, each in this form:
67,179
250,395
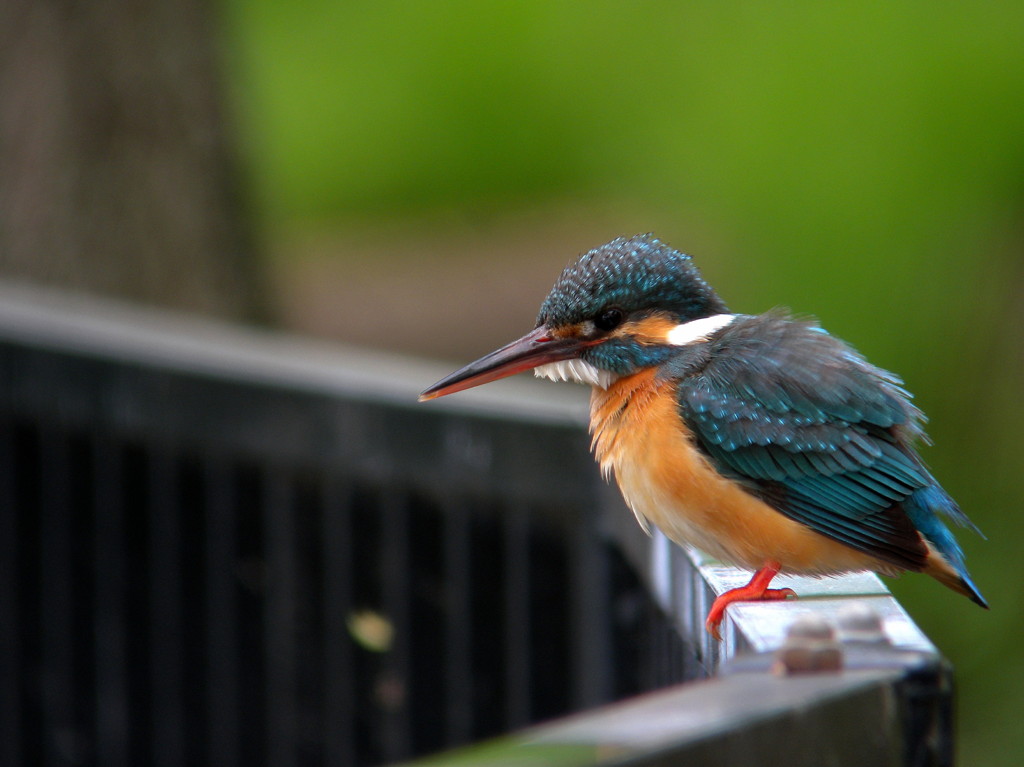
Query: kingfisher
761,440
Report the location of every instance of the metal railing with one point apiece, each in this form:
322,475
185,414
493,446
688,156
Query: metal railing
226,547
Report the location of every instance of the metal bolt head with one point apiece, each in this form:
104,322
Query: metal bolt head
810,647
858,622
810,627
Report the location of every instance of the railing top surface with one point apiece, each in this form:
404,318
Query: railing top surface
762,626
110,329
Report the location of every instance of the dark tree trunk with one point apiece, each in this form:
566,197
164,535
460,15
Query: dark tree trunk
116,171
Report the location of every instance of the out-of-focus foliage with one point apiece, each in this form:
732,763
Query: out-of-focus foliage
864,161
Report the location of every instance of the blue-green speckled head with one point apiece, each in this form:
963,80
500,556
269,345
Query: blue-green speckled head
633,274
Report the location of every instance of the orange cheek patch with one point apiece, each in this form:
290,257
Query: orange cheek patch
653,329
649,330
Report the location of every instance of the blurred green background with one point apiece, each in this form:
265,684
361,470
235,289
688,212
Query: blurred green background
423,170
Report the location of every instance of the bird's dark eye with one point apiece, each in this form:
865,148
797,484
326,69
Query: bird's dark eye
609,318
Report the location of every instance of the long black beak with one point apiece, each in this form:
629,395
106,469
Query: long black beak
533,349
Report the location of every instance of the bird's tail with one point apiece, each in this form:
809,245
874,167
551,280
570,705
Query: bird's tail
945,557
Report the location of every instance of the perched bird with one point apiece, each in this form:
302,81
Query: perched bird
760,439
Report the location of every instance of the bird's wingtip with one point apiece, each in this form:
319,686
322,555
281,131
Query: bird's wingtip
949,570
970,591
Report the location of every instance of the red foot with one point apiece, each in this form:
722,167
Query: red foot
755,591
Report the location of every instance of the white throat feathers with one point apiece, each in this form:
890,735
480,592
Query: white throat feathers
576,370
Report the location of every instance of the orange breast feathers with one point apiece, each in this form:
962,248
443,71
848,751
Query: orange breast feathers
666,480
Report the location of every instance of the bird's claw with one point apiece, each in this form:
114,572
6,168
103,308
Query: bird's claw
717,613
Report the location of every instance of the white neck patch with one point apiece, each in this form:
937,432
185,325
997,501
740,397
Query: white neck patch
695,331
576,370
